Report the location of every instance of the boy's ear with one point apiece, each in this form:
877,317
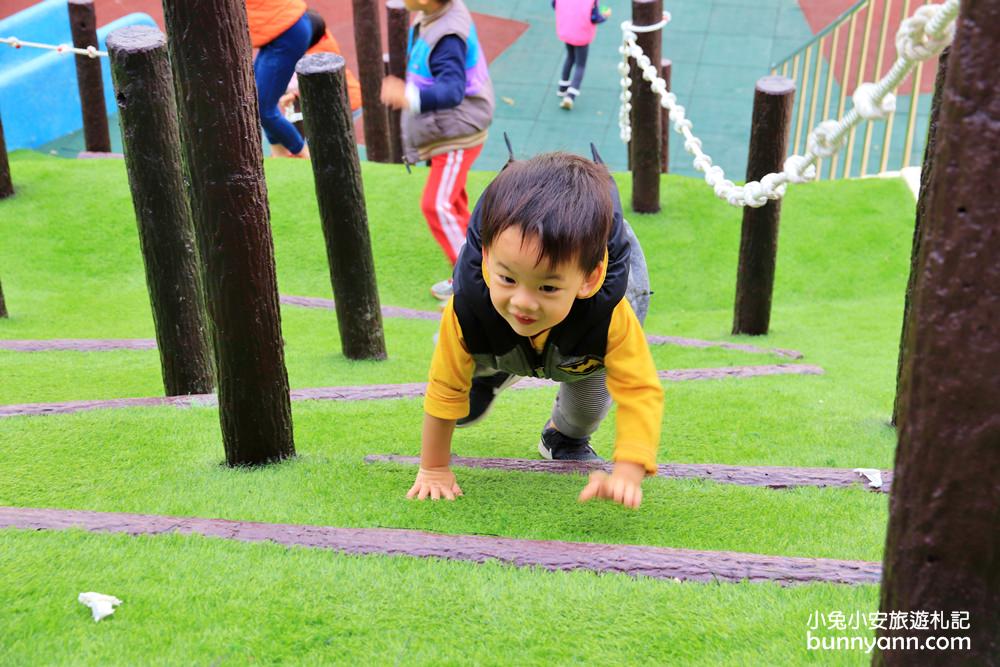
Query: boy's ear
590,282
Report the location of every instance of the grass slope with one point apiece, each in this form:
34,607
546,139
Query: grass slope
70,267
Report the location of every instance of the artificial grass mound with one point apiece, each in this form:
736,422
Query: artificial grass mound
70,267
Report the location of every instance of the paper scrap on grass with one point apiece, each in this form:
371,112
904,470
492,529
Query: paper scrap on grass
873,475
101,605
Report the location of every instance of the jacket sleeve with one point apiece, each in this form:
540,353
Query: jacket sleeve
635,386
450,376
447,64
595,13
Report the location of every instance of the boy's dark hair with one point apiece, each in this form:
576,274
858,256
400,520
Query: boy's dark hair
559,198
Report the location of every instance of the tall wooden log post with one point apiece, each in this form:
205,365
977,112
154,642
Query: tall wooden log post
665,71
368,44
3,304
209,46
6,184
772,117
341,199
943,544
148,116
83,25
925,175
399,29
645,146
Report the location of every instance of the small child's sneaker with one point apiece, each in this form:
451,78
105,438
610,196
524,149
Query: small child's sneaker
484,390
558,447
567,103
563,88
442,291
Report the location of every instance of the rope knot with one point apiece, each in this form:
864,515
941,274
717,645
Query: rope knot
798,169
868,106
754,195
913,40
825,140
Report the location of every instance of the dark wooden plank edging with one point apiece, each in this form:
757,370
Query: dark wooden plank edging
376,391
772,477
655,562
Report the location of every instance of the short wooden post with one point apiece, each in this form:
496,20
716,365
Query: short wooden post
398,29
918,227
148,116
6,184
368,44
209,46
942,550
772,116
665,71
646,114
340,194
3,304
83,24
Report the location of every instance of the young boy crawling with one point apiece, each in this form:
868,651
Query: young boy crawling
539,291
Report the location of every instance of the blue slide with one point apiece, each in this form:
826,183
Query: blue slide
39,99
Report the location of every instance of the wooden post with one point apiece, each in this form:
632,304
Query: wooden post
3,304
943,544
341,199
210,53
665,70
772,117
148,116
925,175
368,44
398,29
646,114
6,184
83,24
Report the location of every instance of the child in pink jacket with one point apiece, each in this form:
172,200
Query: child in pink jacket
576,25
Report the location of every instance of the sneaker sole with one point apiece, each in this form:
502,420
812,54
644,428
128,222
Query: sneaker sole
544,451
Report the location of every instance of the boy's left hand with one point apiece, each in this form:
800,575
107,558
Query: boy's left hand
623,485
394,93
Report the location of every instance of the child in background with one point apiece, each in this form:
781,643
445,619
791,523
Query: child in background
282,31
539,291
447,101
322,41
576,26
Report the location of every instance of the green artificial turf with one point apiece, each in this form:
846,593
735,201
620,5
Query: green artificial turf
71,268
189,600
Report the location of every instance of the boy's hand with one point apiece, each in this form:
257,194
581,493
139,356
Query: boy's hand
434,482
394,93
624,485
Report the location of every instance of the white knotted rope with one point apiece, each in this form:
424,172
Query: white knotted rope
90,51
921,36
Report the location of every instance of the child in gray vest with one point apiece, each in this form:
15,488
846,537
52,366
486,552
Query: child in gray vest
447,104
540,291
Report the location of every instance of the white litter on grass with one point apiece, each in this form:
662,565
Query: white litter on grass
101,605
873,475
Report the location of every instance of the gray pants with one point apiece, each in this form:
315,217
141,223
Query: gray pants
580,407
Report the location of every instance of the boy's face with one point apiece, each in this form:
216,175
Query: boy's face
532,297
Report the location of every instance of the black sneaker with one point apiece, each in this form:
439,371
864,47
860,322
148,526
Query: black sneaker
558,447
484,390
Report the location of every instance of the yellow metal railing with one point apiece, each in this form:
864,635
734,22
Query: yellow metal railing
857,47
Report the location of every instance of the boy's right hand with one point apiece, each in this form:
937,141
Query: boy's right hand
435,482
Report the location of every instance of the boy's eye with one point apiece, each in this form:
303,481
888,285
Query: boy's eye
506,280
550,289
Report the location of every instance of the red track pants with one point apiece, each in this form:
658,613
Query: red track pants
445,203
